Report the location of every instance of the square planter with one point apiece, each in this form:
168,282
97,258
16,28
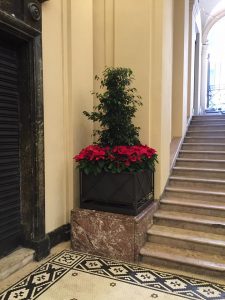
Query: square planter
124,193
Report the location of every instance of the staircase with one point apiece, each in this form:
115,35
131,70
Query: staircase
188,231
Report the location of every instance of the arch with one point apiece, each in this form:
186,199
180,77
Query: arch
210,24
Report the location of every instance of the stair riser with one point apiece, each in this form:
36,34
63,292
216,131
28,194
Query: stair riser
193,196
206,248
209,186
158,262
207,147
202,155
206,127
205,134
217,229
193,210
199,174
204,140
200,164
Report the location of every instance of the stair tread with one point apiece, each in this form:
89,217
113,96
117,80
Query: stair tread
203,180
204,137
204,144
202,125
202,151
200,159
188,235
196,218
204,131
173,189
196,203
184,256
207,117
199,169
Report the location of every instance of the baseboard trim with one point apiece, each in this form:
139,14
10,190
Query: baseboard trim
59,235
43,246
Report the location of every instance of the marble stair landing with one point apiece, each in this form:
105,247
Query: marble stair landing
15,261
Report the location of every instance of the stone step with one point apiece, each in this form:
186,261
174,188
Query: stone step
202,154
205,121
199,173
209,133
208,122
210,118
208,139
203,146
190,221
179,193
197,183
206,127
184,259
201,207
15,261
200,163
187,239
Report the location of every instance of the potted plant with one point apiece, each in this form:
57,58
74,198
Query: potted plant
117,172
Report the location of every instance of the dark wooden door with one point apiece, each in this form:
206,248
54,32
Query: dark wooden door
10,210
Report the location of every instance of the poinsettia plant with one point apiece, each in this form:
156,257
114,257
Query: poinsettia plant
118,148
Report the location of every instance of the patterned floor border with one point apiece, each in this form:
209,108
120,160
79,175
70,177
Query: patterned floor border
38,281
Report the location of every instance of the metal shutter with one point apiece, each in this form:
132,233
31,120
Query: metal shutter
10,216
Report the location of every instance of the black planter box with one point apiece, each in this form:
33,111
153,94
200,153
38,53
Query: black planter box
125,193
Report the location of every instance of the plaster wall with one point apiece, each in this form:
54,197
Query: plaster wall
161,87
180,68
138,36
80,38
68,80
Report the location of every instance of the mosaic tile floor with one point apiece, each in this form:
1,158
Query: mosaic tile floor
77,276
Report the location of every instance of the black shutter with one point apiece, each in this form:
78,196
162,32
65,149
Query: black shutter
10,216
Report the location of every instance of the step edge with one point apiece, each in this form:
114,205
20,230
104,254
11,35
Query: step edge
191,203
188,217
199,169
188,238
195,191
196,262
200,159
193,179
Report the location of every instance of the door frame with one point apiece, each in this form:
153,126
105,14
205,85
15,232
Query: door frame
24,28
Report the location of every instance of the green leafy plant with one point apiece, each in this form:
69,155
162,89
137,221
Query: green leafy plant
116,109
118,148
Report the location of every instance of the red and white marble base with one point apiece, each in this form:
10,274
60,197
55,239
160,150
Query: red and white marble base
111,235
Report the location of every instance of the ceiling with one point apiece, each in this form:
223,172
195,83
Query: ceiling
210,8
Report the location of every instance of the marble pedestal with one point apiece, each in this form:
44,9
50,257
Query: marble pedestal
111,235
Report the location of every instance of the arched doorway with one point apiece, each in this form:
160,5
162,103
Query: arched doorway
216,68
213,16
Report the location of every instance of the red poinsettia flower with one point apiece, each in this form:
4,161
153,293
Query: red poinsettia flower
116,159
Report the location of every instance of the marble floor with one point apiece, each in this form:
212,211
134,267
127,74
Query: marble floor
69,275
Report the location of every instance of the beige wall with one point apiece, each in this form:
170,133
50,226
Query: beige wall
180,67
161,87
120,42
80,38
68,80
139,36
